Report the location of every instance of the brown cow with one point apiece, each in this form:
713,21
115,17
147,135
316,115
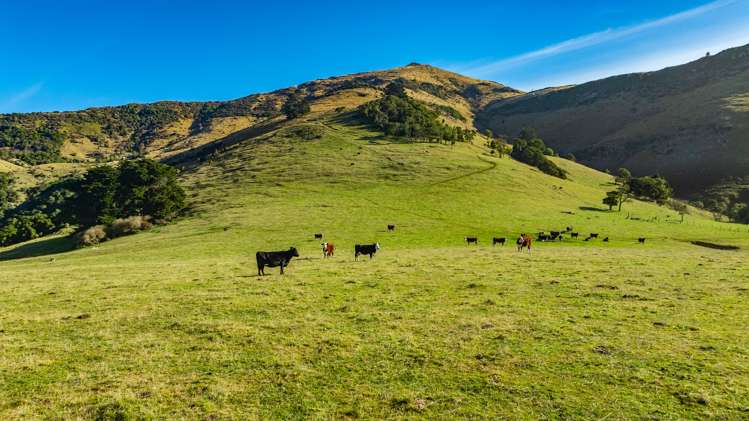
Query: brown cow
327,249
524,241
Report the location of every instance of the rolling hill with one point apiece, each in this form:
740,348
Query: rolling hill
689,123
173,322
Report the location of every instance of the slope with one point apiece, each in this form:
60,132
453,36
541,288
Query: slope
689,123
172,323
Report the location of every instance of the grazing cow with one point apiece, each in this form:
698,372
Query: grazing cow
543,237
588,239
472,240
498,240
318,236
554,235
524,241
369,249
327,249
574,234
641,240
273,259
606,240
592,235
391,227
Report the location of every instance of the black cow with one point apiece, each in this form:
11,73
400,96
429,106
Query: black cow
574,234
318,236
641,240
592,235
391,227
369,249
273,259
499,240
472,240
543,237
606,240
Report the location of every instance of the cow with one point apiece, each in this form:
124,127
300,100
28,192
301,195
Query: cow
472,240
499,240
592,235
554,235
273,259
543,237
524,241
391,227
327,249
318,236
574,234
606,240
369,249
641,240
568,229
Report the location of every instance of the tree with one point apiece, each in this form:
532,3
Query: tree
295,106
611,199
623,175
96,196
530,149
147,187
8,194
651,188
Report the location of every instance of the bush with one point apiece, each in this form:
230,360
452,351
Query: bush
92,236
651,188
127,226
307,132
295,106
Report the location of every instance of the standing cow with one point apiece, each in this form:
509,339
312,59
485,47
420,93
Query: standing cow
328,249
499,240
274,259
369,249
525,241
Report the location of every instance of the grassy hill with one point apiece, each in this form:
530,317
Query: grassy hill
689,123
173,323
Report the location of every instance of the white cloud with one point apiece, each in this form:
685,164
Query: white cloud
10,103
488,69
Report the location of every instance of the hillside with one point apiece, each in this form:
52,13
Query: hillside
689,123
167,128
173,323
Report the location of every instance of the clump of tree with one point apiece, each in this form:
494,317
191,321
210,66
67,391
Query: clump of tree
653,188
530,149
8,193
31,145
296,106
101,196
496,145
399,115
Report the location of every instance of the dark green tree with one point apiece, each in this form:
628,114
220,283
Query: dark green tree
295,106
8,193
651,188
147,187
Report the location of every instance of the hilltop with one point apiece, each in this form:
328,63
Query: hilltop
165,129
689,123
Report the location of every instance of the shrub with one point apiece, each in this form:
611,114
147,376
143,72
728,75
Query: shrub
129,225
295,106
307,132
92,236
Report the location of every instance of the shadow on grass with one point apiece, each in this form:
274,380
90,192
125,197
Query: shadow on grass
47,247
592,209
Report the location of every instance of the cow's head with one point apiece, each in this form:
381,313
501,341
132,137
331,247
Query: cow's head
377,246
294,252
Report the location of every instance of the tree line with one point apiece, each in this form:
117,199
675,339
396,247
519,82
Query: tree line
102,195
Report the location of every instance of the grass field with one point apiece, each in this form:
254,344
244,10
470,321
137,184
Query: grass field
174,322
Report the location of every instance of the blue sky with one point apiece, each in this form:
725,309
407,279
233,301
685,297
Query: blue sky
64,55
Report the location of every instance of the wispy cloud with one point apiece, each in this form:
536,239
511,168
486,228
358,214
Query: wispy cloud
12,102
490,68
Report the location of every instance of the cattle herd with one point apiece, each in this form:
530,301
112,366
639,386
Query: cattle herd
282,258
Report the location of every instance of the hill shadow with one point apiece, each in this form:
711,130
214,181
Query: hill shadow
48,247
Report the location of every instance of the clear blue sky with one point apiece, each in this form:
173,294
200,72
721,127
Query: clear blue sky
63,55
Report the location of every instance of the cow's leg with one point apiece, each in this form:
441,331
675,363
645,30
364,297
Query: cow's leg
260,271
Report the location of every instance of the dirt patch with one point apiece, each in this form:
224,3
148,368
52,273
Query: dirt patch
714,246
